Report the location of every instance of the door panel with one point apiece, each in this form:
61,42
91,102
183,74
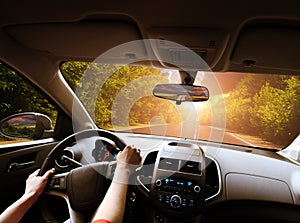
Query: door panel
13,178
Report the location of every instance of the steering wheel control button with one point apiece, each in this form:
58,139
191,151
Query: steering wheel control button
175,201
197,189
58,182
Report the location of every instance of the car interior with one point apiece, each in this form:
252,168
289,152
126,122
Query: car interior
209,91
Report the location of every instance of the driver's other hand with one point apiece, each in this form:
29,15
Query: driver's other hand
35,184
130,156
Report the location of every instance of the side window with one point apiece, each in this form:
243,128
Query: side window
26,115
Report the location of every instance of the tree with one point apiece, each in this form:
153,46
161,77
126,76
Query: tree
268,105
276,111
17,95
119,95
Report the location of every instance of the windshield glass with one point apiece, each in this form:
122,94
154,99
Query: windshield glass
245,109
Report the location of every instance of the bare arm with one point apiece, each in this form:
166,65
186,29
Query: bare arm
113,205
34,187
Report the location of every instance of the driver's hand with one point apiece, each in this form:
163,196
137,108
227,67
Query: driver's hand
130,155
35,184
128,161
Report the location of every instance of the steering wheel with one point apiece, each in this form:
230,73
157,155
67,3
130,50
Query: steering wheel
83,187
58,149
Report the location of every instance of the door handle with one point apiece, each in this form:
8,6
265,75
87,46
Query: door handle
18,166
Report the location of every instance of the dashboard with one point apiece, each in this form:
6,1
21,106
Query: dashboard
181,177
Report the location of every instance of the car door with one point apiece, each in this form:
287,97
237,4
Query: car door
20,156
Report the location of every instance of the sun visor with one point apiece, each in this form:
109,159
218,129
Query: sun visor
180,47
79,40
268,47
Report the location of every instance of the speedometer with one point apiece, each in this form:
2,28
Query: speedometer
104,151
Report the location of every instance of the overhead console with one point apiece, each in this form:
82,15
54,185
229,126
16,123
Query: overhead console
174,179
181,47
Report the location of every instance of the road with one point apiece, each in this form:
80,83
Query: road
208,133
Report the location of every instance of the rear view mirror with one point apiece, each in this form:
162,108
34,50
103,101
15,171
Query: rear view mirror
181,92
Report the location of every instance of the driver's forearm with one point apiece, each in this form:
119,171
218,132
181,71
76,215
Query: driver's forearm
15,212
113,204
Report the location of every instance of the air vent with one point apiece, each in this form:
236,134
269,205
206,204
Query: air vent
190,167
148,164
151,158
212,181
168,164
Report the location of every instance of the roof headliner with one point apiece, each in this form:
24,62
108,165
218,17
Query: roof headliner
228,16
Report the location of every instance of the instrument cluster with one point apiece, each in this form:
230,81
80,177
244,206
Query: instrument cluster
104,151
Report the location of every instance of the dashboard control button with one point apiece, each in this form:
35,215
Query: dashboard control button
167,199
175,201
160,198
191,203
159,218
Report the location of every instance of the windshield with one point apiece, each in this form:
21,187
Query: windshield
245,109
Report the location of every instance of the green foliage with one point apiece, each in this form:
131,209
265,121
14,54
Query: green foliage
276,110
119,96
268,106
21,131
17,95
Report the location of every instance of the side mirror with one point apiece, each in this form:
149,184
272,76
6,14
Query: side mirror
181,92
28,125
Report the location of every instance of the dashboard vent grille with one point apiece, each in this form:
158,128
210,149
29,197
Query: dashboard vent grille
190,167
168,164
212,180
148,165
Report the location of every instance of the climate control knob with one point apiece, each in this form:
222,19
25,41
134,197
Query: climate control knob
197,189
158,183
175,201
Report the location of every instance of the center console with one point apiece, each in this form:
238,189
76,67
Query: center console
176,181
177,192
